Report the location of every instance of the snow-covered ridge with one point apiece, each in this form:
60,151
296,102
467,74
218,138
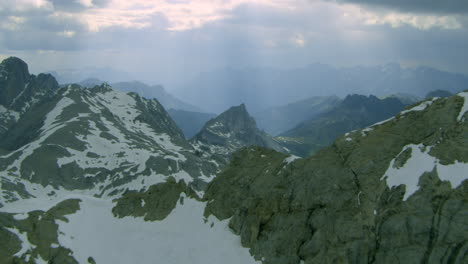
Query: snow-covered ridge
106,138
420,107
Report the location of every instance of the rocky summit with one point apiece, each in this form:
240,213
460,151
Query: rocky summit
94,175
231,130
19,91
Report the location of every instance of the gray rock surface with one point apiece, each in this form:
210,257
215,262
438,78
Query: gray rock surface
336,207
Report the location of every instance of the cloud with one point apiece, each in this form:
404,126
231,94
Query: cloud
397,19
418,6
157,40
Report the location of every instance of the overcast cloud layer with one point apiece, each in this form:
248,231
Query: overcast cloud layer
169,41
423,6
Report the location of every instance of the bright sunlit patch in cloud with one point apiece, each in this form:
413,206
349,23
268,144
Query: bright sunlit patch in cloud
24,5
396,19
86,3
299,40
67,33
12,23
181,15
184,15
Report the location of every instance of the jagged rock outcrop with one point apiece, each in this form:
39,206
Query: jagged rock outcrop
395,192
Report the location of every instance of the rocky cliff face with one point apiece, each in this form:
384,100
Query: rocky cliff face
395,192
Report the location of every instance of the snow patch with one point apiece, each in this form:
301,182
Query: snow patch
25,244
420,107
419,163
53,115
383,122
454,173
365,131
20,216
290,159
216,124
465,105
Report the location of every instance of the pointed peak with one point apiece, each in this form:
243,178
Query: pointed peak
240,110
15,65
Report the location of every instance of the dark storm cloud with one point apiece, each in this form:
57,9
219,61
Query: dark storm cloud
43,32
419,6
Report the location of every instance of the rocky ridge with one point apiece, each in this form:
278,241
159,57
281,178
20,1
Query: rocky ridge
393,192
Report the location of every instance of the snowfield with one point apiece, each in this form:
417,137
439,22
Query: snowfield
183,237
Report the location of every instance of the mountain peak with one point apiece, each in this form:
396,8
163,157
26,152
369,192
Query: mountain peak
233,129
235,119
18,89
16,66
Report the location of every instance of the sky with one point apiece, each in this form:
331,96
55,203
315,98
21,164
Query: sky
165,41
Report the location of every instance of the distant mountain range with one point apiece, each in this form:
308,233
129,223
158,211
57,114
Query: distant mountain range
279,119
354,112
155,91
263,88
147,91
71,75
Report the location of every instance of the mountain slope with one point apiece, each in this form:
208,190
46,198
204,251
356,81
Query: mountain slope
280,119
354,112
395,192
99,140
